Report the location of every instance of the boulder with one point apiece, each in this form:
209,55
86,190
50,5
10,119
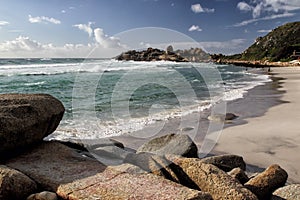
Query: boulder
119,185
109,155
25,119
129,168
226,162
14,184
178,144
43,196
50,170
289,192
239,175
160,166
264,184
72,176
222,118
211,179
89,144
230,116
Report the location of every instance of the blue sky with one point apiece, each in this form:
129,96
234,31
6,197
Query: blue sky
55,28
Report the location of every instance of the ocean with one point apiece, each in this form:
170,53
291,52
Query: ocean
105,98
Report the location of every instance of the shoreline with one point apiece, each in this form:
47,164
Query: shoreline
258,63
272,137
253,108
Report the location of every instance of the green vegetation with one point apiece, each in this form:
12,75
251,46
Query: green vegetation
278,45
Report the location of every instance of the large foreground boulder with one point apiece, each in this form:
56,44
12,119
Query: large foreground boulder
14,184
25,119
211,179
73,176
266,182
177,144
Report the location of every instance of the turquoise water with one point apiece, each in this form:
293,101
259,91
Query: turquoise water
113,92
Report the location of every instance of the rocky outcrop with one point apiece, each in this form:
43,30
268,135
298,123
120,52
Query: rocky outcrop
212,180
289,192
178,144
25,119
194,55
150,55
266,182
226,162
14,184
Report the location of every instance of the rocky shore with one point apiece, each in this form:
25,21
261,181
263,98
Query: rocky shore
165,167
258,63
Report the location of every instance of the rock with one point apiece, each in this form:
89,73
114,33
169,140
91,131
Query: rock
50,170
239,175
75,177
25,119
160,166
222,118
85,144
43,196
119,185
169,49
290,192
109,155
15,185
266,182
226,162
211,179
178,144
230,116
129,168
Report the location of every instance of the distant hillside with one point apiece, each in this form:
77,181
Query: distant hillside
278,45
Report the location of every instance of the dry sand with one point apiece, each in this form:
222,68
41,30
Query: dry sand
273,137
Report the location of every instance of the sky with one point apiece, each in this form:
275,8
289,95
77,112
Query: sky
75,28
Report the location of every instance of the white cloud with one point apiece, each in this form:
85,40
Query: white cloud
63,11
268,9
85,27
250,21
106,41
244,6
195,28
43,19
264,31
197,8
3,23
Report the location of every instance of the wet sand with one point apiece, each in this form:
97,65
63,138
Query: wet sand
273,137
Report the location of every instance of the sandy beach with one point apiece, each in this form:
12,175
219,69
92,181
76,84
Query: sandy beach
273,137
